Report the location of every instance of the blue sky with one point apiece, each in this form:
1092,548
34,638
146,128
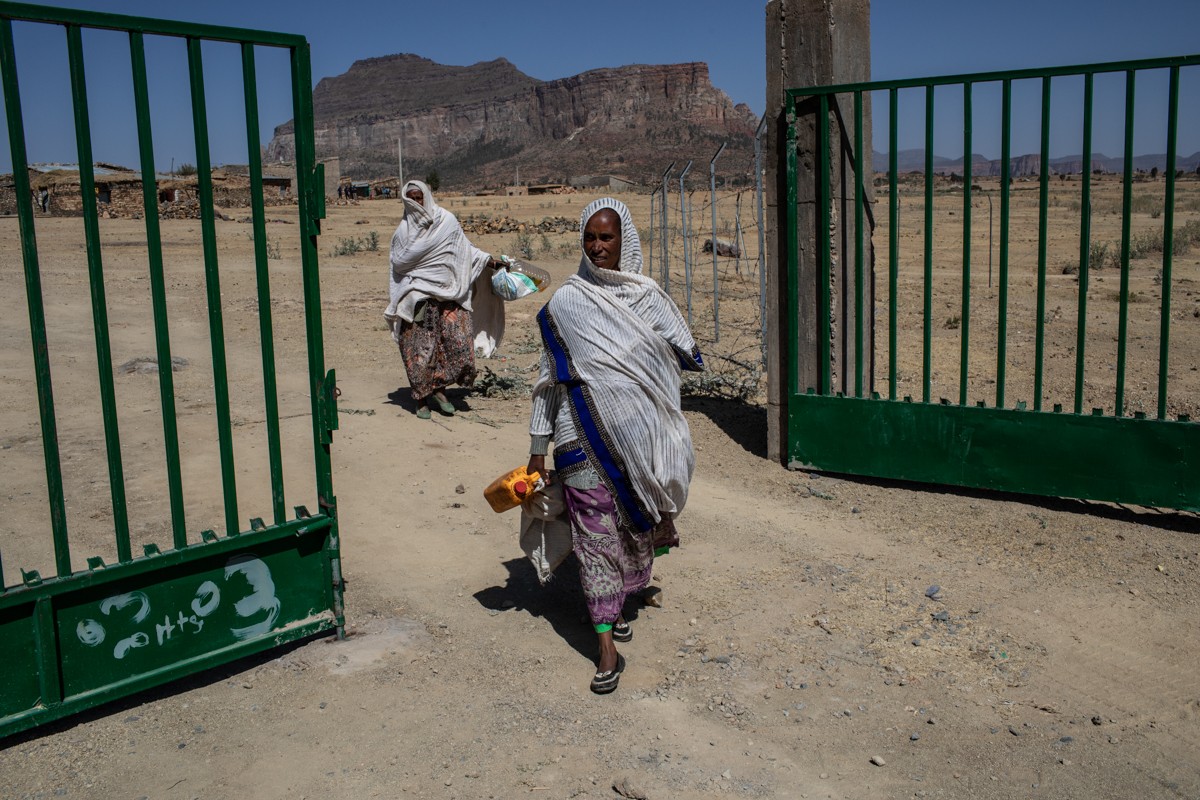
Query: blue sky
552,39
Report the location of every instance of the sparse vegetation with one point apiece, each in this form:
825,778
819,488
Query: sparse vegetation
522,245
510,386
349,245
729,384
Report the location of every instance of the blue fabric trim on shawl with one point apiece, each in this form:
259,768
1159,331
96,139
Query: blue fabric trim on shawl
569,458
607,464
689,362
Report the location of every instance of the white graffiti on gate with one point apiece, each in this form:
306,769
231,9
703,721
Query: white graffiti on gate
260,603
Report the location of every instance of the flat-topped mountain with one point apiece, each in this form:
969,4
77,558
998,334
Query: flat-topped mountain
482,124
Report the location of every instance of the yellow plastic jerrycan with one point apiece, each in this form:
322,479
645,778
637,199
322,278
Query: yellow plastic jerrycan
512,488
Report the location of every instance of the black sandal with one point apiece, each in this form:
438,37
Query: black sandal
606,682
621,632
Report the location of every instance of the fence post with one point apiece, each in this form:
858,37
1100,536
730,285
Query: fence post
687,261
712,195
650,267
808,43
666,267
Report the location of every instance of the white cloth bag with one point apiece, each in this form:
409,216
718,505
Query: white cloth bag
545,531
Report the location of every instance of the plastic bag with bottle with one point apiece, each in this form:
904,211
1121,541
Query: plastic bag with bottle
515,279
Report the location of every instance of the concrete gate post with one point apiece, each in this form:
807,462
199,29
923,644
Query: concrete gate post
814,43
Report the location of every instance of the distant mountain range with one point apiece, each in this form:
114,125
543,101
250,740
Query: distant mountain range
488,123
1030,164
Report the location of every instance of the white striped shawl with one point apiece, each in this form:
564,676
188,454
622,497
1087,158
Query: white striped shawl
616,343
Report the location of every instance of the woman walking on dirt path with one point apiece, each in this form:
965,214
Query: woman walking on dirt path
436,275
608,397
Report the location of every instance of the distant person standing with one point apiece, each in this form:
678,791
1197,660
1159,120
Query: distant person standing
44,200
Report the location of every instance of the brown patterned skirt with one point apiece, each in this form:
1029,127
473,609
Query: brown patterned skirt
438,347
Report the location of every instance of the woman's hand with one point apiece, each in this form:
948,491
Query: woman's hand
537,464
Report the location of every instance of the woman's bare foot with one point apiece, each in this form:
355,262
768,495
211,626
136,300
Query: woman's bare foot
608,653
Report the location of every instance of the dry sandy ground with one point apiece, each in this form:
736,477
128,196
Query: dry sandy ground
798,652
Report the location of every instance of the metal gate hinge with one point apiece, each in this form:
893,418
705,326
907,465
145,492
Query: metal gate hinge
327,394
316,199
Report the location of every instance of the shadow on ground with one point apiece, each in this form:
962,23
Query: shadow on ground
744,423
402,398
1162,518
559,602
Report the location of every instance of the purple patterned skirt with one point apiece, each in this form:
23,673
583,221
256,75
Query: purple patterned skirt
614,562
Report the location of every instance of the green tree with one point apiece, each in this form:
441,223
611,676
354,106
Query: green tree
433,180
186,169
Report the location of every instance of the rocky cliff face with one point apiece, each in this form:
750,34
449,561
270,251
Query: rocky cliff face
479,125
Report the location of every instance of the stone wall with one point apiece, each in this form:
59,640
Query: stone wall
177,199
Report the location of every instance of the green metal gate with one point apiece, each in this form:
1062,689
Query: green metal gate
1088,317
86,635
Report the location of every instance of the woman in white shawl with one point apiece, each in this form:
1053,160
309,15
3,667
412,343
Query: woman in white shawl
434,276
608,396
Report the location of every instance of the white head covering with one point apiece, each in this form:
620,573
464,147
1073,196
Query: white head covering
423,213
631,243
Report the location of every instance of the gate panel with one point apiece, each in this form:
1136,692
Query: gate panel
968,338
82,637
112,631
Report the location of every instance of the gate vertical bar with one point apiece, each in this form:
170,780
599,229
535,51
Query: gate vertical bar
1164,335
1085,241
263,273
893,236
1126,210
34,301
310,210
1005,172
1043,203
91,228
45,643
158,293
927,332
859,201
825,254
965,352
792,221
216,325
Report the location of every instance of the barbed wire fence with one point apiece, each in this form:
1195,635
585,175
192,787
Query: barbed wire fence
706,248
